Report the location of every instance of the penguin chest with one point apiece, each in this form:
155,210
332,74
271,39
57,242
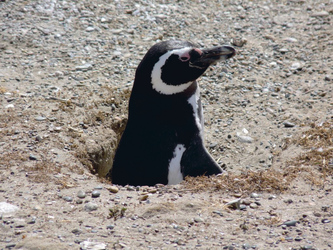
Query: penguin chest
195,102
175,174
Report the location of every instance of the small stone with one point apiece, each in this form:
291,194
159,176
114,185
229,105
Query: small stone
327,78
84,67
39,138
81,194
283,50
10,246
10,106
245,139
288,124
198,219
234,204
99,188
296,66
242,207
32,220
90,207
130,188
307,247
152,190
298,238
37,208
144,197
253,205
254,195
218,213
40,118
320,14
110,227
89,245
325,221
246,246
95,194
290,39
113,189
89,29
68,198
32,157
77,231
290,223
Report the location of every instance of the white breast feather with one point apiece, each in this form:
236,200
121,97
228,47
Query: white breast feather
175,175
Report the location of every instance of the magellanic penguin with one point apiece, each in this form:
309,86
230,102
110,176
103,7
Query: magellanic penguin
163,138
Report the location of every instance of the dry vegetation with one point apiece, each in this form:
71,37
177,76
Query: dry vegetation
315,166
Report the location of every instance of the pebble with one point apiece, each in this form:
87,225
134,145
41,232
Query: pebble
296,66
39,138
320,14
245,139
84,67
253,205
325,221
95,194
89,29
218,213
110,227
32,157
32,220
40,118
143,197
234,204
288,124
89,245
90,206
291,40
10,106
81,194
113,189
290,223
68,198
307,247
198,219
298,238
77,231
254,195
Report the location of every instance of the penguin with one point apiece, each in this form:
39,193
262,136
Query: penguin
163,138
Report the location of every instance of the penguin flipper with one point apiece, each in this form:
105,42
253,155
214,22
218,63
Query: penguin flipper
196,161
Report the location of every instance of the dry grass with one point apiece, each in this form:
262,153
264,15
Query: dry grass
42,171
247,182
318,141
314,166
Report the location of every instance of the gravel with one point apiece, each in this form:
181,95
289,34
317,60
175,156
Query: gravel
66,71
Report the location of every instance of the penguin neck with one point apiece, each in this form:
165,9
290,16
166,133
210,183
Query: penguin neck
191,90
144,98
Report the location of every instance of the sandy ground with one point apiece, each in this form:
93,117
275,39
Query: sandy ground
66,69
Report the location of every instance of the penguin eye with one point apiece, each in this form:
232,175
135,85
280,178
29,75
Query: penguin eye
184,58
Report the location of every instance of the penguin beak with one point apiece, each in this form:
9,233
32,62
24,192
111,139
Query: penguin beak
213,55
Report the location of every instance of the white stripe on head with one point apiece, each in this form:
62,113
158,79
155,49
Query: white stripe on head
156,74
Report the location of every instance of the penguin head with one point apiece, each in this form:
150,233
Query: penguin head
174,65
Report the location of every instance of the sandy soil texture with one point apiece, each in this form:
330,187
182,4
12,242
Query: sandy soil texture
66,71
